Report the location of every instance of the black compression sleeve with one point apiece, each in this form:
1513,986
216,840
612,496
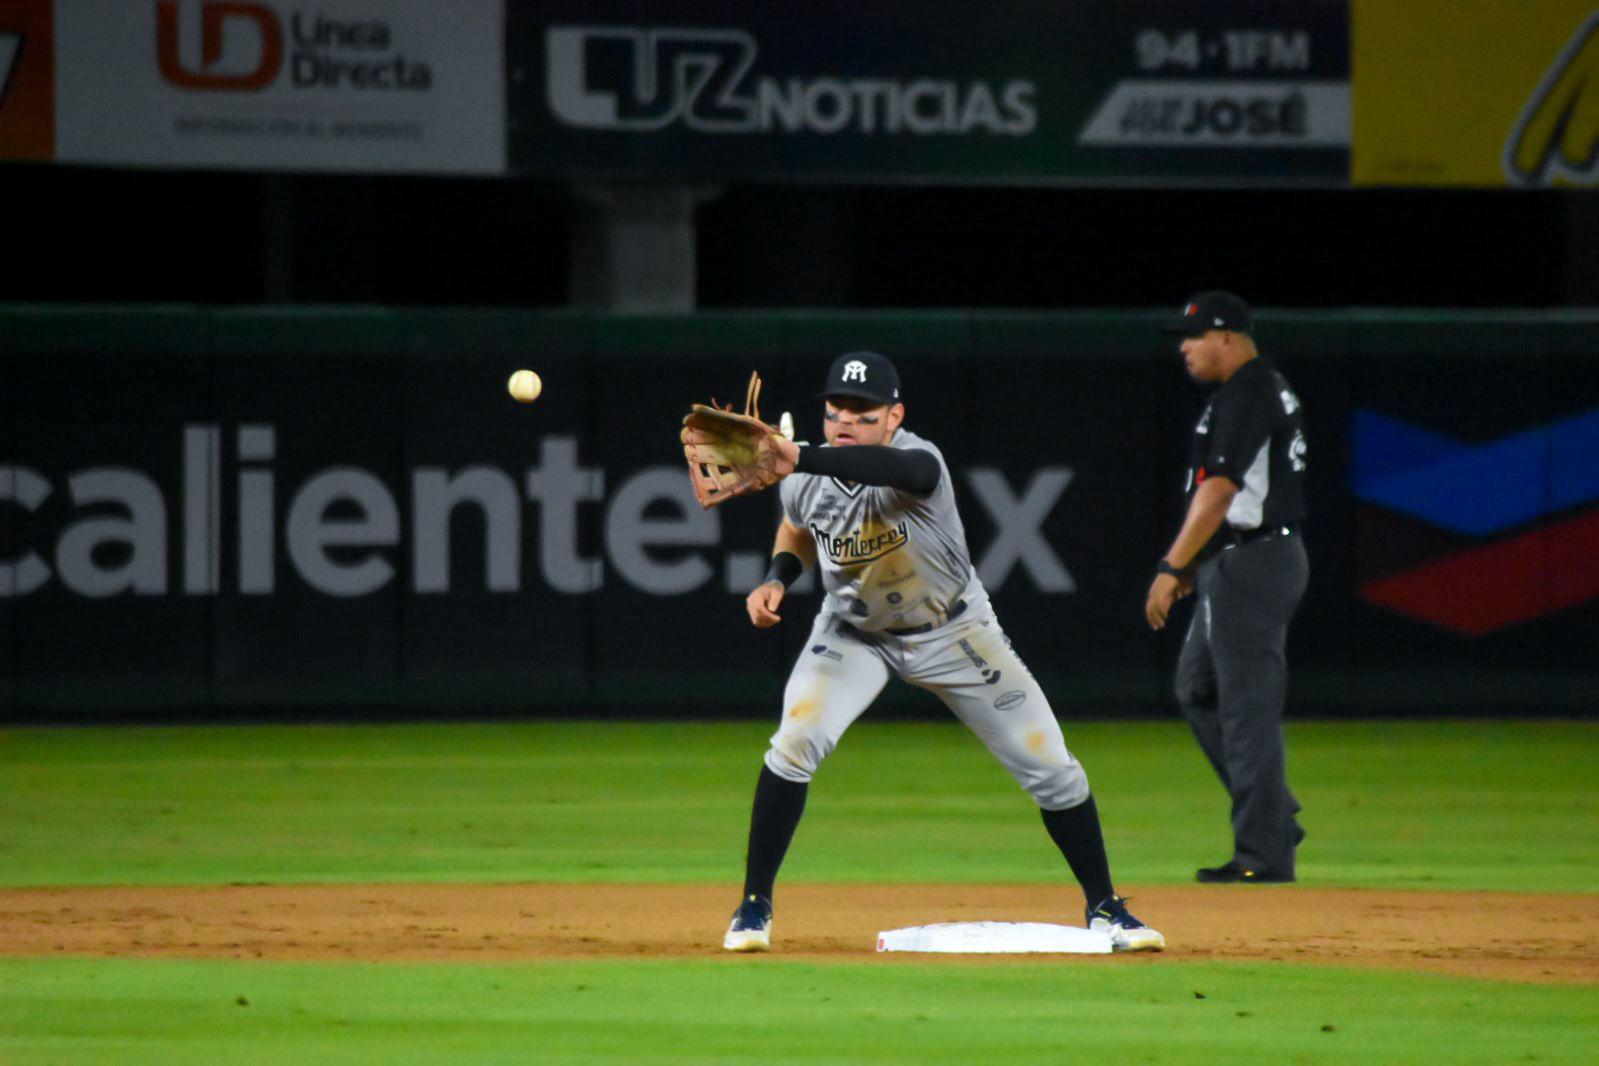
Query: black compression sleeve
912,470
785,567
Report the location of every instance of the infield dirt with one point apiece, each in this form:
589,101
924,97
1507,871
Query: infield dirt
1520,937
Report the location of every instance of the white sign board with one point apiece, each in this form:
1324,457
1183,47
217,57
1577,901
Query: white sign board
360,85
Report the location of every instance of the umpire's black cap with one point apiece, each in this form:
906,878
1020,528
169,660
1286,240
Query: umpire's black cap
1212,310
866,375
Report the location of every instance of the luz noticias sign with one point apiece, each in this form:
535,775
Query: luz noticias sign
1031,93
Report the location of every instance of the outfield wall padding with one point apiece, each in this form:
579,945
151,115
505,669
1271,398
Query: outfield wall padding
286,511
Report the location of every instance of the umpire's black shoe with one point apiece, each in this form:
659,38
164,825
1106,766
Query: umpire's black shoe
1233,874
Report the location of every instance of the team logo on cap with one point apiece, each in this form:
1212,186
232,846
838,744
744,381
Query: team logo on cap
855,370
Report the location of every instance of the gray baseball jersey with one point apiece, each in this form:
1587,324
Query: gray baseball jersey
889,560
903,599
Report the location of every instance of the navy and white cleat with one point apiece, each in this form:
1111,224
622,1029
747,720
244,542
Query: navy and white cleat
1126,932
751,929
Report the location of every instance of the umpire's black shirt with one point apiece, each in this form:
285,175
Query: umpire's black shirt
1252,432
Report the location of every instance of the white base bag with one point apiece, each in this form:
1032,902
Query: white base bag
995,938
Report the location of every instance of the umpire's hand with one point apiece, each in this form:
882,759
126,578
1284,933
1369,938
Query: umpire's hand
1164,591
762,604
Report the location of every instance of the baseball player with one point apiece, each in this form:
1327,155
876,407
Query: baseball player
1240,547
875,509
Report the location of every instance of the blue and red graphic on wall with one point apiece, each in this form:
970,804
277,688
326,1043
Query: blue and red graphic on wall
1477,537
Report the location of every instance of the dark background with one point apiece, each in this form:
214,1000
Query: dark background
135,238
388,391
216,238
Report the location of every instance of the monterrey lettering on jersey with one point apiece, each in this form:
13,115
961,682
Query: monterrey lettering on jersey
853,548
887,558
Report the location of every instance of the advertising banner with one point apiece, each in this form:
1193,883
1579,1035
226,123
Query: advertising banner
27,81
363,85
1476,92
330,511
1252,91
311,509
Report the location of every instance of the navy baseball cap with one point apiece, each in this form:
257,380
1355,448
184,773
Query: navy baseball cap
1212,310
865,375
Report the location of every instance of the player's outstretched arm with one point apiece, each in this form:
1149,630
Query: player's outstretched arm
912,470
792,554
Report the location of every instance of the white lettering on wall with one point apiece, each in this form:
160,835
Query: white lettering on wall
346,534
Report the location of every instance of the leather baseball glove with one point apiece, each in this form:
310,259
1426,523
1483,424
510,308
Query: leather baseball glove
731,454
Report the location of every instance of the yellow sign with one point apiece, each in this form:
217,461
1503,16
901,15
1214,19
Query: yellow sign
1476,92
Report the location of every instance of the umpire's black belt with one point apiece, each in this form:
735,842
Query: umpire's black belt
927,627
1234,538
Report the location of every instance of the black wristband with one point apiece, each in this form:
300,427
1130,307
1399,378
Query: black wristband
1163,567
785,568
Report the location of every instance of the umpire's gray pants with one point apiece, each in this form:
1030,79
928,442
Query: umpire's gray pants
1232,682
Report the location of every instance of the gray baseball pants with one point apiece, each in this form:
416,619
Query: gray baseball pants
968,664
1232,683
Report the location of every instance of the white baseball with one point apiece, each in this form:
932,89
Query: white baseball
525,386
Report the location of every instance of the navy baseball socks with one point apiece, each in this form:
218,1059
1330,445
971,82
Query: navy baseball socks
775,816
1077,834
1076,831
779,803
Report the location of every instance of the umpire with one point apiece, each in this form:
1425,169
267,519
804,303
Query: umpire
1240,548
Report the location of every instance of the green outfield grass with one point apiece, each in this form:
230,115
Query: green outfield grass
1460,805
763,1011
1496,805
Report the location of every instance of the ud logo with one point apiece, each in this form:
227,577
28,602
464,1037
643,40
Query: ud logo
1557,134
854,370
622,78
216,18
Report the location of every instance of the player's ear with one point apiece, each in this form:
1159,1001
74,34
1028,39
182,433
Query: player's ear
896,415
